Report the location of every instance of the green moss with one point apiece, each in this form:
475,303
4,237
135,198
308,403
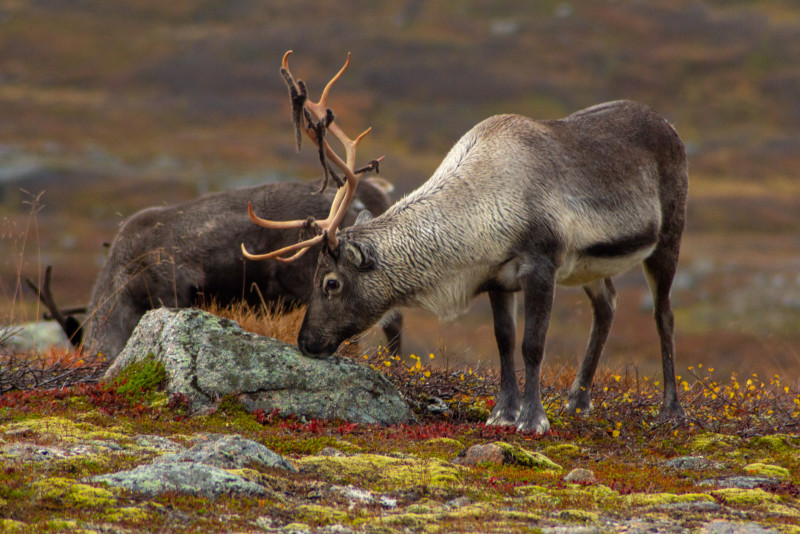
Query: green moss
67,430
141,379
710,442
128,513
9,525
745,496
654,499
524,457
775,442
564,449
782,510
70,493
318,514
382,471
767,470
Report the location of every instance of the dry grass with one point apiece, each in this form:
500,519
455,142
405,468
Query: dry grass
279,322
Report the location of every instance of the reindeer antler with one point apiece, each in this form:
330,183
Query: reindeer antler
316,118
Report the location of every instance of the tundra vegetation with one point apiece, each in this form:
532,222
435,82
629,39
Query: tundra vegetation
99,102
646,472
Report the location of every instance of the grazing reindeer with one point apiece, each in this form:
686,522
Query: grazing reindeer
180,256
517,205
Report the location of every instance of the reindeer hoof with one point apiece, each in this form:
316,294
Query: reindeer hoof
579,405
672,411
537,422
507,417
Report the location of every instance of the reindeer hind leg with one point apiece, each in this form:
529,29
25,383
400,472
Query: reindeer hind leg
603,297
660,269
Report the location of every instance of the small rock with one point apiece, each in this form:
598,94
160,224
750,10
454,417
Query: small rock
31,452
581,476
388,503
331,451
353,494
436,406
458,502
503,453
229,452
481,454
688,463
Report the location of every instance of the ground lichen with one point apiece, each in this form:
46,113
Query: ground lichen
579,515
68,431
655,499
383,471
767,470
127,513
315,513
74,494
10,525
747,497
775,442
709,442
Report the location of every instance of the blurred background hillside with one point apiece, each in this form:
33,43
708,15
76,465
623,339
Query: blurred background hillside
110,107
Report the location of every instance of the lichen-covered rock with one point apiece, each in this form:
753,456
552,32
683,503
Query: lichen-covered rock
190,478
581,476
500,452
228,452
521,456
207,358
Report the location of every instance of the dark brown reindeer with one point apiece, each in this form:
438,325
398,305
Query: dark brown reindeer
180,256
517,205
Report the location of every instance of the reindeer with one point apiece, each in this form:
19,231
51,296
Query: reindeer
516,205
179,256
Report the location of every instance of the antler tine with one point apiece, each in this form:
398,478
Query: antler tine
317,111
280,225
301,248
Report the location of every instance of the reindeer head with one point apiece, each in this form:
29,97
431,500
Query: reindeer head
350,294
345,267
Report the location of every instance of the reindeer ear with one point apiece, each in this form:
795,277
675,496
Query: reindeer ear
360,256
364,217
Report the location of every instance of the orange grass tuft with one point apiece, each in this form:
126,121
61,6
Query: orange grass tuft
279,322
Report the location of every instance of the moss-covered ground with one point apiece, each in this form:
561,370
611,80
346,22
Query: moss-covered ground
414,479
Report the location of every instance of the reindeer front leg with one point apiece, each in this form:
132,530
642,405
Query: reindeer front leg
508,401
539,289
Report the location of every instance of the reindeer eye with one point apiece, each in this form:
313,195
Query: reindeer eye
332,285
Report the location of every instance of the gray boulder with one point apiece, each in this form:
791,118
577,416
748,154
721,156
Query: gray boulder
188,478
33,337
229,452
207,358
